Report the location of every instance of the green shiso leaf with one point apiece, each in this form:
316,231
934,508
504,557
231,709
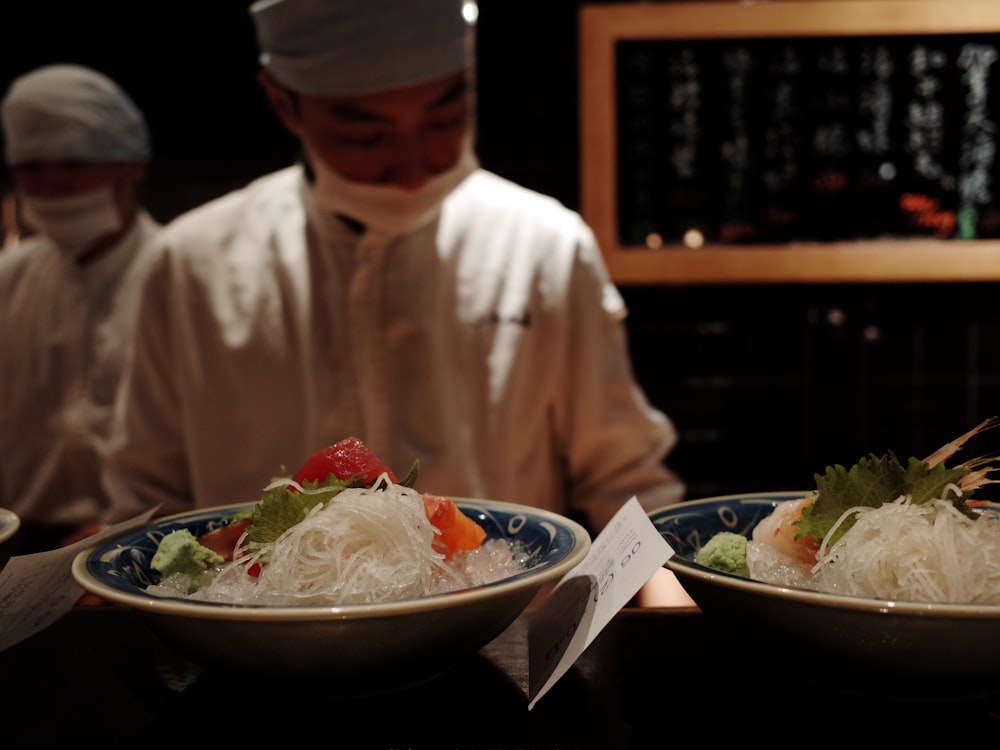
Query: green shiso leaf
926,484
871,482
281,507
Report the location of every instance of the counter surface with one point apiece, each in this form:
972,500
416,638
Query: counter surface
101,676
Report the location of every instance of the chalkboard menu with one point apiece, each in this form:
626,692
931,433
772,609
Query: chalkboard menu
820,139
795,126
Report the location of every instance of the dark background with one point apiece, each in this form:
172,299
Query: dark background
768,384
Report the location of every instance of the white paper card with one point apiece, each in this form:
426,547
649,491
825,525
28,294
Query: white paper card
38,589
624,556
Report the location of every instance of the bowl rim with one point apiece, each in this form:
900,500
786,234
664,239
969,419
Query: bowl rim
10,522
684,568
530,579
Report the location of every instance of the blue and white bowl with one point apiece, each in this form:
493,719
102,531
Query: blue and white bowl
885,648
349,649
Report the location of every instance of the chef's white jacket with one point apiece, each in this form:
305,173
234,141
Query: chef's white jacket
489,345
65,334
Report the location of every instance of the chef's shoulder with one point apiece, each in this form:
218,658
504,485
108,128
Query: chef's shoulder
489,201
528,234
242,217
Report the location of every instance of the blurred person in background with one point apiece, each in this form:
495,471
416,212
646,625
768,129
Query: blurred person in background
385,287
77,149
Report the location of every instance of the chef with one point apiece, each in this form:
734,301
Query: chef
387,287
77,148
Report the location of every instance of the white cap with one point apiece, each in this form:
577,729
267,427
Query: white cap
69,112
353,47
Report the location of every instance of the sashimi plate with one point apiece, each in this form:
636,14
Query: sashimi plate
348,649
869,646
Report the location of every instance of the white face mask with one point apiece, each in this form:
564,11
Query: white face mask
76,222
387,208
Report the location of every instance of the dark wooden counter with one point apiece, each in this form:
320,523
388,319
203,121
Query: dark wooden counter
652,678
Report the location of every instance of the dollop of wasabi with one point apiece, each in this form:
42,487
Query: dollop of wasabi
180,552
725,552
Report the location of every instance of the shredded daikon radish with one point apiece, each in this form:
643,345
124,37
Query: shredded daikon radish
906,552
363,545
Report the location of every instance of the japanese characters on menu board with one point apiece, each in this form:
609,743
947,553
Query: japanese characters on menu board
818,139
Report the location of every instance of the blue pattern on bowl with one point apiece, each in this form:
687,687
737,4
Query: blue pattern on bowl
688,526
124,563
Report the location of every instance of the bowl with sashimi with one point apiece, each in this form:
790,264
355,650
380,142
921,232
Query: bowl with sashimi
879,638
353,648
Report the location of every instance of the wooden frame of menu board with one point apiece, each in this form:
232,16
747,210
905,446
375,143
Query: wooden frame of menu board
930,248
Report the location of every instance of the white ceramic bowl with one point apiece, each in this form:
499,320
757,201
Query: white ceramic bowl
870,646
346,650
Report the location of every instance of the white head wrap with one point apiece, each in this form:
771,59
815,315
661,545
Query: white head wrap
352,47
69,112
